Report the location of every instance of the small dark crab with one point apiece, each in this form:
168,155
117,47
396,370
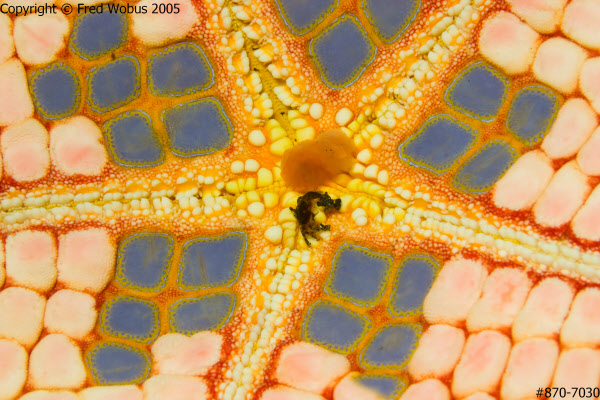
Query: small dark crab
305,217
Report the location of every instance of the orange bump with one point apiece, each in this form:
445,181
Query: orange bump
174,353
86,259
582,327
530,366
306,366
438,352
562,198
15,101
581,22
480,396
281,392
557,63
524,182
70,312
161,28
2,270
76,147
31,259
481,364
56,363
125,392
545,310
430,389
586,223
25,150
7,47
312,163
573,126
508,43
456,288
503,296
542,15
174,387
13,369
48,395
21,314
38,39
589,82
349,389
577,368
587,158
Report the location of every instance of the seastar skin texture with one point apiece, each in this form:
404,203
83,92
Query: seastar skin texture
152,240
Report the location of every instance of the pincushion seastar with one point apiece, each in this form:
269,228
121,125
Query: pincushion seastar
153,247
